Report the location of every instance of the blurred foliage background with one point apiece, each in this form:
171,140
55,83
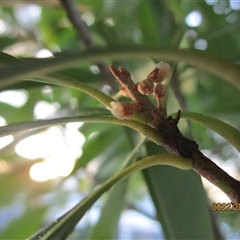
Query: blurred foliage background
43,173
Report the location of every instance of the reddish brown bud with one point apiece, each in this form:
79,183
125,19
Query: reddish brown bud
153,75
145,87
159,73
164,69
160,90
122,110
125,72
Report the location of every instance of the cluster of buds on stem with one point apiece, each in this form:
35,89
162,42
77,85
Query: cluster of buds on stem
153,83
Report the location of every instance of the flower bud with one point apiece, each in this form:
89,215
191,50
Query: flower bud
160,72
160,90
164,69
122,110
145,87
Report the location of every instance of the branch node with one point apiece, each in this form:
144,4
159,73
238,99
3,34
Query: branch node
173,140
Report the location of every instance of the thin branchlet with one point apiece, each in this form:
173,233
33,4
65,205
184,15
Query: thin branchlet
173,140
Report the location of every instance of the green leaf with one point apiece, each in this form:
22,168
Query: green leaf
22,226
61,80
16,181
231,134
206,62
26,126
180,201
153,34
8,60
111,210
63,226
100,140
114,204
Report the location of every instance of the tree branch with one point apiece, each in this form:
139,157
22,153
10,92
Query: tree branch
85,36
176,89
175,142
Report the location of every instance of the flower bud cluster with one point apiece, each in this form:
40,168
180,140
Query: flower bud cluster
153,83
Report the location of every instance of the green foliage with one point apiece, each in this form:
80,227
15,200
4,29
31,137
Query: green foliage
231,134
162,178
135,36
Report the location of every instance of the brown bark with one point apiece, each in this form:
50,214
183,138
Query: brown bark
174,141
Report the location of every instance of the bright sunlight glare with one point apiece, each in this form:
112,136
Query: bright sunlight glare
4,141
194,19
3,27
15,98
201,44
2,121
57,165
44,109
59,147
235,5
40,145
88,18
43,53
39,172
5,166
28,15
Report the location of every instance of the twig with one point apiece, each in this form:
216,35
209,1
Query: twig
75,18
181,99
124,78
85,36
209,170
176,90
175,142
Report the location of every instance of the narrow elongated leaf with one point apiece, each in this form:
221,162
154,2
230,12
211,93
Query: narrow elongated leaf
100,140
8,60
26,126
22,226
113,207
228,132
211,64
63,226
180,201
60,80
